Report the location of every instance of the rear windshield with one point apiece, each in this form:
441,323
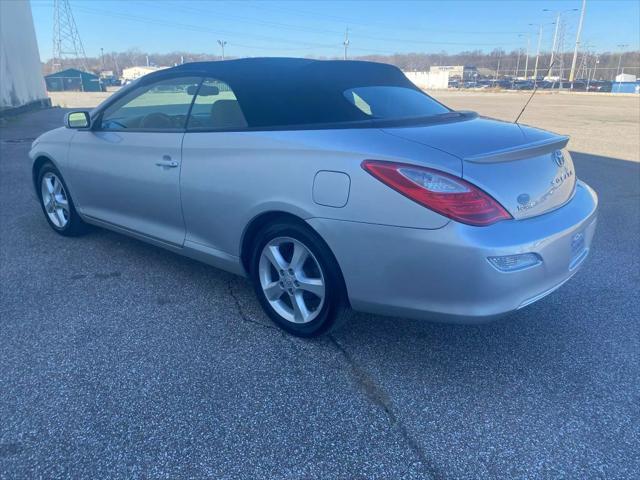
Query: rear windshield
393,103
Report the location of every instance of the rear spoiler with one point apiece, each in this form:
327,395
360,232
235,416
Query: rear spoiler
521,151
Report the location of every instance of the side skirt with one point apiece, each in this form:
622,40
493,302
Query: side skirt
202,253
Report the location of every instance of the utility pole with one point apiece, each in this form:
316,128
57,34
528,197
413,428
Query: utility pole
526,61
555,39
575,51
102,57
222,43
346,42
553,47
621,46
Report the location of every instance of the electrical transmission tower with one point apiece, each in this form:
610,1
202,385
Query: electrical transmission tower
583,69
67,45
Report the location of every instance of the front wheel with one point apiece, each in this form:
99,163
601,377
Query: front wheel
297,279
57,204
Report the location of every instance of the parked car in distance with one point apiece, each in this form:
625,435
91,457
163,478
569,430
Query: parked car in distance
522,85
578,86
601,86
330,184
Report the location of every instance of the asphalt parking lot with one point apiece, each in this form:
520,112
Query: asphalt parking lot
121,360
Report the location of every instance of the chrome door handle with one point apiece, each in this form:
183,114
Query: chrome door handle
167,162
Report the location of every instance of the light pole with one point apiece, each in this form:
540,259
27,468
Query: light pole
535,69
346,42
621,46
222,43
596,61
575,51
526,61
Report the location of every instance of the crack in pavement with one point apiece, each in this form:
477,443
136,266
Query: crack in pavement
364,381
240,310
381,399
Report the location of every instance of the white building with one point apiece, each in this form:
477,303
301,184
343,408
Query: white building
626,77
457,72
133,73
429,80
21,80
438,76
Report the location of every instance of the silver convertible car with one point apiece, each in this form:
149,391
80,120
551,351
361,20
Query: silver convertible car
331,184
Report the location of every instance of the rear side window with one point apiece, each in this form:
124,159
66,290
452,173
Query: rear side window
161,106
393,103
216,108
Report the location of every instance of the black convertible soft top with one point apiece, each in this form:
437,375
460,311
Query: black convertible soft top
276,92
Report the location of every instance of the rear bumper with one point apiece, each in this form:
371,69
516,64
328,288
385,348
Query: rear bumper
444,274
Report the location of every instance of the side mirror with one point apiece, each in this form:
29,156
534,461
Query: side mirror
77,120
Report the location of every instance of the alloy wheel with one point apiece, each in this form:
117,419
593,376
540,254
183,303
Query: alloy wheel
55,200
292,280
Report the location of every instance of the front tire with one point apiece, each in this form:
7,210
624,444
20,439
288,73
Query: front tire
297,279
57,204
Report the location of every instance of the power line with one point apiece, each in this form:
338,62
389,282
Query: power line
359,35
198,28
284,43
372,24
269,38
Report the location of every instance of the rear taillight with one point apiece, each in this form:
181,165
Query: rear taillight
443,193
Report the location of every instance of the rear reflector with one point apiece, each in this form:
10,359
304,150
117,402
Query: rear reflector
441,192
512,263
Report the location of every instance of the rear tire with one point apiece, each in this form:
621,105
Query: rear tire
297,279
57,204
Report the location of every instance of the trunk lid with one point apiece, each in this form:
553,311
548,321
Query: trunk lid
529,171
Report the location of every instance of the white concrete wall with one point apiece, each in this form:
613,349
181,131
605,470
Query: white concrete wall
21,80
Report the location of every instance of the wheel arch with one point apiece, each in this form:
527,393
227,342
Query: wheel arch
264,218
40,160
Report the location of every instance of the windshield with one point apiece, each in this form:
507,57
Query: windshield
393,103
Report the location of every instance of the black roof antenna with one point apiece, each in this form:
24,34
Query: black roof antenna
535,89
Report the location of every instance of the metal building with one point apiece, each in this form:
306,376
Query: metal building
73,80
21,83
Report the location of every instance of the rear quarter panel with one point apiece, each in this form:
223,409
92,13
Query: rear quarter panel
229,178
